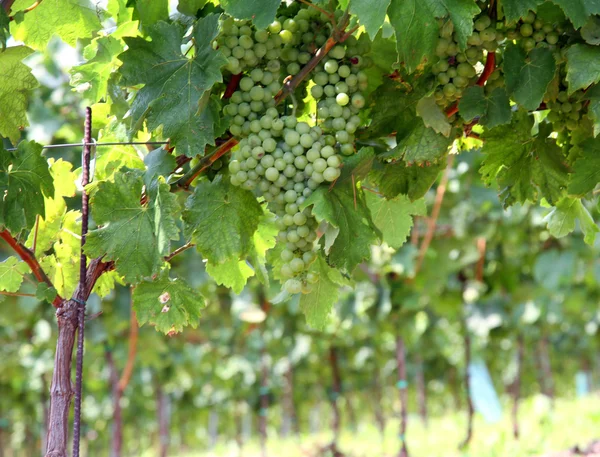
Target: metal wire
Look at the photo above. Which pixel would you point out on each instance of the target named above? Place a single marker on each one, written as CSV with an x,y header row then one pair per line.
x,y
93,143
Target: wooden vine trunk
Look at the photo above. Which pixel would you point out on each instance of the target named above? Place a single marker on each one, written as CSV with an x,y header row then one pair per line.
x,y
403,392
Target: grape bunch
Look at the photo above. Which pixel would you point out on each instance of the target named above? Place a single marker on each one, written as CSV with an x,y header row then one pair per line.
x,y
456,70
338,82
566,110
533,32
284,163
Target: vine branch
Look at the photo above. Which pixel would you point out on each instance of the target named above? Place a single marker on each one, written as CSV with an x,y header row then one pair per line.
x,y
435,212
26,10
133,337
29,258
178,251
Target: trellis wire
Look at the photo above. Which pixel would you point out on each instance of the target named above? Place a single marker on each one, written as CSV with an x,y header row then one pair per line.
x,y
93,143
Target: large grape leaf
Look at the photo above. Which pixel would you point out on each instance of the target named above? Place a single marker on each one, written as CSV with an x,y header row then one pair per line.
x,y
516,9
433,116
491,109
152,11
12,273
109,160
69,19
413,181
460,12
91,78
135,236
4,28
371,14
190,7
528,75
583,66
16,81
317,304
345,208
24,181
586,170
394,218
262,12
421,145
522,166
167,304
221,219
593,95
232,273
563,217
578,11
175,92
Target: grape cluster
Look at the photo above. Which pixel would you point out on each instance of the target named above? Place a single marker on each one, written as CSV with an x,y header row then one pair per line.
x,y
533,32
284,163
566,111
337,85
455,70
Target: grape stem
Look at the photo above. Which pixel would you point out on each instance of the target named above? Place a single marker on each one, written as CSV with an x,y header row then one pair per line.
x,y
26,10
29,258
185,181
232,86
330,16
490,66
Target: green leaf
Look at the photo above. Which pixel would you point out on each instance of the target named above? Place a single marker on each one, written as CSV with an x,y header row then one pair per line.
x,y
561,220
433,116
586,170
91,78
174,86
358,165
583,66
528,75
221,219
190,7
421,145
152,11
16,81
579,10
593,95
168,304
71,20
461,13
345,208
491,109
317,304
410,180
24,181
11,274
416,31
111,160
394,218
262,12
522,166
590,32
371,14
135,236
45,293
232,274
516,9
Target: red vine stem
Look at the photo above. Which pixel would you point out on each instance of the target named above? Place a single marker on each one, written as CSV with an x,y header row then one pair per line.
x,y
232,85
490,66
29,258
205,163
435,212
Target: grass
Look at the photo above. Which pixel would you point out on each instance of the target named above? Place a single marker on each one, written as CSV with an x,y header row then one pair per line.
x,y
572,422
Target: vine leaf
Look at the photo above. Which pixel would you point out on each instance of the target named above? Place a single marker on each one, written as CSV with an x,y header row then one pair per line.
x,y
586,170
190,7
491,109
528,75
399,178
262,12
24,181
370,13
135,236
522,165
563,217
232,273
394,218
593,95
516,9
421,144
433,116
345,208
578,11
583,66
11,274
417,30
4,28
174,86
16,81
317,304
151,11
167,304
71,20
222,219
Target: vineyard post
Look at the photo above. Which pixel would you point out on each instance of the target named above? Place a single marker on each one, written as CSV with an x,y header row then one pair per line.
x,y
264,399
517,385
163,412
378,407
402,386
421,389
335,395
467,380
